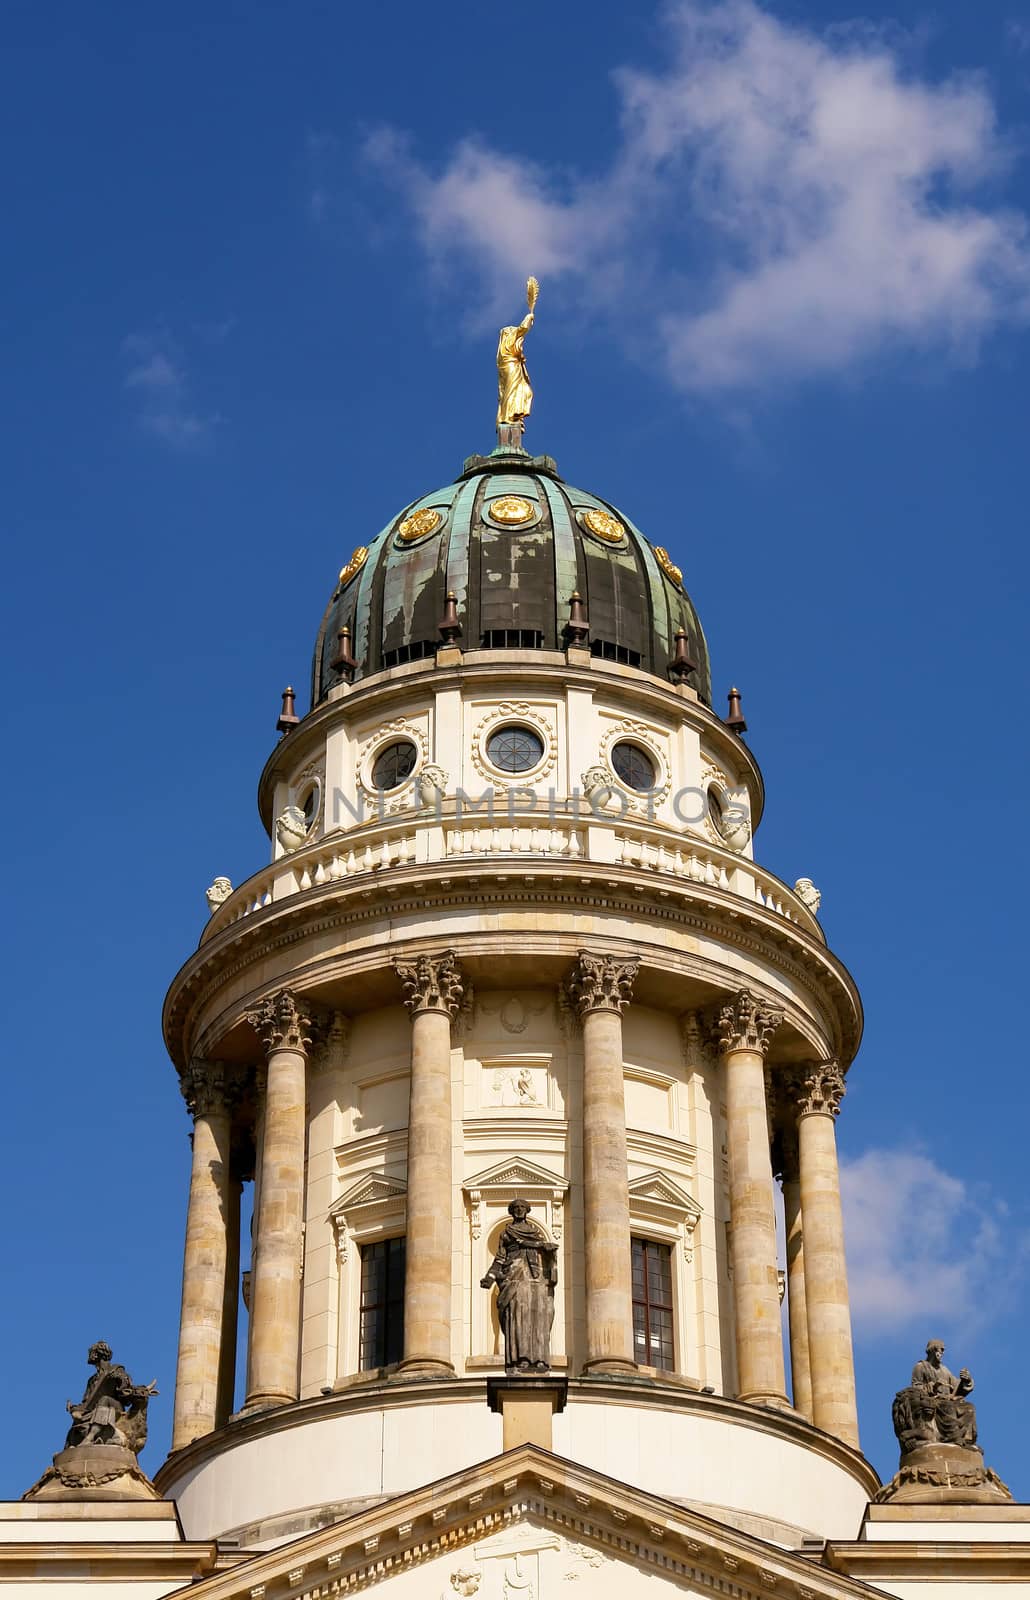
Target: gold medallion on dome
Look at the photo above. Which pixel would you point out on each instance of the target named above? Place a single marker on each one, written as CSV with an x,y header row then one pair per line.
x,y
603,526
668,566
419,524
511,510
354,565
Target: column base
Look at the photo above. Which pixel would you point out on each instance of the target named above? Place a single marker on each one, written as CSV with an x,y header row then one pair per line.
x,y
425,1367
777,1402
614,1366
263,1402
527,1406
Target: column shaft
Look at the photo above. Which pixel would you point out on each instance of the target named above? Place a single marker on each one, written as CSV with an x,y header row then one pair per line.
x,y
203,1278
608,1262
826,1285
432,987
427,1287
599,986
231,1307
275,1276
801,1377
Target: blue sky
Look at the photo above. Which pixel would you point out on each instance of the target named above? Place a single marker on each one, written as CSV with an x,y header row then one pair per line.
x,y
255,261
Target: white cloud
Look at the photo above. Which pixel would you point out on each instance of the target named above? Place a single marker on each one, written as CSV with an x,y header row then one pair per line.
x,y
795,203
926,1249
156,376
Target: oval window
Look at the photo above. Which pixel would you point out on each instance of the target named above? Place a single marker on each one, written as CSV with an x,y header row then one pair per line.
x,y
717,810
634,766
394,765
309,805
515,749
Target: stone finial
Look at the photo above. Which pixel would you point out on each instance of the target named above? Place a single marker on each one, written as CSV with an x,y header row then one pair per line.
x,y
601,982
577,629
288,717
285,1021
747,1023
735,717
935,1423
809,895
816,1088
449,626
682,663
217,893
291,828
344,661
431,983
209,1086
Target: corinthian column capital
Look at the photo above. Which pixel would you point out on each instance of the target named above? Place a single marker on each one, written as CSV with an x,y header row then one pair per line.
x,y
286,1021
209,1086
747,1023
815,1088
431,983
601,983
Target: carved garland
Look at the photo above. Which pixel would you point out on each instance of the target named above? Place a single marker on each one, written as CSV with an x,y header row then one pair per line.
x,y
405,796
649,738
514,711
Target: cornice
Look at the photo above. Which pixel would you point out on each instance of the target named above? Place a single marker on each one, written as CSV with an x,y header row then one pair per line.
x,y
398,892
637,689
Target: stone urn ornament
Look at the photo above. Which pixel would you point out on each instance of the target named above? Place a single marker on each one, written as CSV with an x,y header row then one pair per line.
x,y
291,828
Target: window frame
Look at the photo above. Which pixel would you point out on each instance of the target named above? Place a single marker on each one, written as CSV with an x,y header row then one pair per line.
x,y
650,1304
390,1338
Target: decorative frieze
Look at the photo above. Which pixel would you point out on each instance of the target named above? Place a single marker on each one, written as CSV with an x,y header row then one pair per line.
x,y
601,982
431,983
815,1089
286,1021
747,1023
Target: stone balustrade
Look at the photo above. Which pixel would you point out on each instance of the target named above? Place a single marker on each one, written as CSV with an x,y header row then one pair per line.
x,y
555,836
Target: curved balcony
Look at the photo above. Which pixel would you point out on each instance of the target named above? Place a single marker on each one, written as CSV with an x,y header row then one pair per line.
x,y
430,839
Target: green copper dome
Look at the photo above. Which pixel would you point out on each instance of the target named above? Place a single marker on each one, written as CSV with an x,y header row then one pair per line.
x,y
513,543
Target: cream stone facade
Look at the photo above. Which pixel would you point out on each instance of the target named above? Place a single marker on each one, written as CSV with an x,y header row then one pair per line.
x,y
512,944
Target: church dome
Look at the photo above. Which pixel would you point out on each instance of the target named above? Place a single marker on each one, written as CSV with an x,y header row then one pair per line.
x,y
512,542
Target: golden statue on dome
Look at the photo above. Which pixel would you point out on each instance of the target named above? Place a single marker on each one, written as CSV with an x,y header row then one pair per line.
x,y
514,391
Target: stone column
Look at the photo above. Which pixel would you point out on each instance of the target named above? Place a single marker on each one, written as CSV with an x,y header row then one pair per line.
x,y
202,1321
819,1089
745,1026
599,986
231,1306
432,993
284,1023
801,1377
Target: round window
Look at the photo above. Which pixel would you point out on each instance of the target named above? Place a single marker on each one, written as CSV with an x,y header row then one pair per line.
x,y
515,749
634,766
394,764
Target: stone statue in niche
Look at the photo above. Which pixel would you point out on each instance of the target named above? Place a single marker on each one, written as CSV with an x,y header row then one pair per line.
x,y
935,1422
525,1271
113,1409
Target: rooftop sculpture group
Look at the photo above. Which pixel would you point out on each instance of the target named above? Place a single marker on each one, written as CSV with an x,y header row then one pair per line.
x,y
108,1431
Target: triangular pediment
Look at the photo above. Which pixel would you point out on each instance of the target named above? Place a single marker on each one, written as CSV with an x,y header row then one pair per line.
x,y
515,1173
528,1522
657,1187
371,1190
